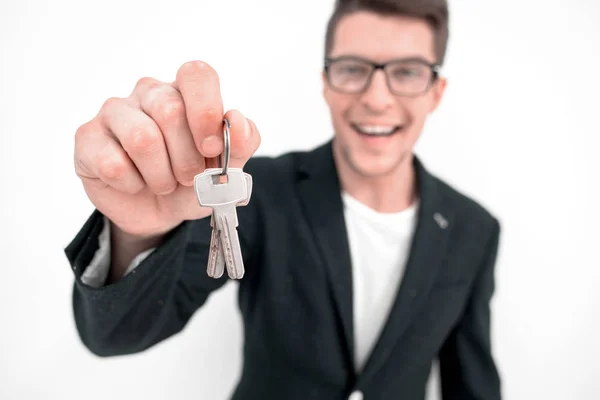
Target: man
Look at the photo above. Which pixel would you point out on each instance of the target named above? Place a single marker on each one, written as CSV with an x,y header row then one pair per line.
x,y
361,266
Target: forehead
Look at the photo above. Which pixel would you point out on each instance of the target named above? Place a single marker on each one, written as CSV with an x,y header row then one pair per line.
x,y
381,38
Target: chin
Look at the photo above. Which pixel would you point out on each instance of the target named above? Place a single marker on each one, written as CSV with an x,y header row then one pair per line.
x,y
371,165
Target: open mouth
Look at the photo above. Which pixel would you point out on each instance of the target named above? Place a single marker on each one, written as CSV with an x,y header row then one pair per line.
x,y
376,130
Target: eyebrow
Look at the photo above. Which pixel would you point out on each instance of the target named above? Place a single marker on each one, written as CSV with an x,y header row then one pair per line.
x,y
415,58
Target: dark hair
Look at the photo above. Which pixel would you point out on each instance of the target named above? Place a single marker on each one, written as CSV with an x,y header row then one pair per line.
x,y
435,12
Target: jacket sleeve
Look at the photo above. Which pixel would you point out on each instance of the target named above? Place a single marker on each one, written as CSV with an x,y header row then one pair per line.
x,y
155,300
96,272
467,367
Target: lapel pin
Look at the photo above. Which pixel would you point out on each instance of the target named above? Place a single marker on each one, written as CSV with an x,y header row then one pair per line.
x,y
441,221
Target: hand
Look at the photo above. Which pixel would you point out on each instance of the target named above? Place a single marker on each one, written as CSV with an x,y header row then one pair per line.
x,y
138,156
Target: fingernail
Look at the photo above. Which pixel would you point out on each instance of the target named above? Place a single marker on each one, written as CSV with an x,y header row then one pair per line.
x,y
211,146
208,139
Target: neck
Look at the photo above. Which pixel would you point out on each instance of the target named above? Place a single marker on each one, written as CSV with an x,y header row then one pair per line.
x,y
388,193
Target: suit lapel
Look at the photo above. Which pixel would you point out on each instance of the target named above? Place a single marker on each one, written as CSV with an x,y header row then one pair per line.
x,y
319,192
426,255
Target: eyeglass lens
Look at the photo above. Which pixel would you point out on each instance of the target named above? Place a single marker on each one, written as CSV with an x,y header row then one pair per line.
x,y
404,77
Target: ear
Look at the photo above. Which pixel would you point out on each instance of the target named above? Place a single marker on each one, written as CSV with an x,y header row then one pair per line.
x,y
437,92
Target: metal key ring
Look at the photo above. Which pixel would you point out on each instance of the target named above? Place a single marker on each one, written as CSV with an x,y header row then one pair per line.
x,y
227,148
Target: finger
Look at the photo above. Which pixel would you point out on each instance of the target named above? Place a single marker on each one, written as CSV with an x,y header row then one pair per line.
x,y
165,106
143,141
199,85
255,138
243,138
100,160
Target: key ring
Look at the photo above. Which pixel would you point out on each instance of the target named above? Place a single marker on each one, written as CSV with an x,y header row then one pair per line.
x,y
227,148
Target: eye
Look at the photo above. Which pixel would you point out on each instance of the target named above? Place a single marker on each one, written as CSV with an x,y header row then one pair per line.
x,y
352,69
407,72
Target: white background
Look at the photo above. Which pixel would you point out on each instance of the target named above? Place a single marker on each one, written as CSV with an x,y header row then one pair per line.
x,y
517,131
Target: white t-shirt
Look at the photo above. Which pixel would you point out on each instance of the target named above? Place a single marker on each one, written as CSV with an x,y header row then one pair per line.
x,y
379,248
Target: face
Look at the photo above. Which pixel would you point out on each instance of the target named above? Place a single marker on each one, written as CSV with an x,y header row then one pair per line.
x,y
377,110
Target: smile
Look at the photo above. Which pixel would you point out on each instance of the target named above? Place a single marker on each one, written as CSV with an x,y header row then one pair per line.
x,y
376,130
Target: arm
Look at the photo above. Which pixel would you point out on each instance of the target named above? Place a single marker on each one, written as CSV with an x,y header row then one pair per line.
x,y
98,272
157,298
126,250
467,366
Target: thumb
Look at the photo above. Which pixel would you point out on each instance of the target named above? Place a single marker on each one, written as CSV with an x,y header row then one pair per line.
x,y
244,138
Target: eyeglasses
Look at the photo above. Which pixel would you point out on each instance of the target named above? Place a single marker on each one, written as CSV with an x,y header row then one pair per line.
x,y
404,77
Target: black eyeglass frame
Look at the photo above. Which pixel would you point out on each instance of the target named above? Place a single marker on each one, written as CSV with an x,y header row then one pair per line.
x,y
435,72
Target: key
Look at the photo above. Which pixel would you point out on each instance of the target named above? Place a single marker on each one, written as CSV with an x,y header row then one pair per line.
x,y
248,190
210,192
216,261
234,270
223,199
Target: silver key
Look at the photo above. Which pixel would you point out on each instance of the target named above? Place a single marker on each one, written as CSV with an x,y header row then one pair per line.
x,y
216,260
223,199
235,268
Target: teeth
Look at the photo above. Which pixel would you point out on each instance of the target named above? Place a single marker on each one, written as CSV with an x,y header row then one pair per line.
x,y
376,129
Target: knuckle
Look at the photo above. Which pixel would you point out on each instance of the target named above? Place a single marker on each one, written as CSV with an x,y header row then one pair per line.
x,y
143,139
82,132
83,135
110,103
146,83
164,104
111,167
172,110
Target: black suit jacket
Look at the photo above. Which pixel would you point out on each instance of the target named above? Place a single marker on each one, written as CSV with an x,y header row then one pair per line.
x,y
296,296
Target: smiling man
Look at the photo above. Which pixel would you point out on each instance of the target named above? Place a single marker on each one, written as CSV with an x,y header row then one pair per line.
x,y
362,268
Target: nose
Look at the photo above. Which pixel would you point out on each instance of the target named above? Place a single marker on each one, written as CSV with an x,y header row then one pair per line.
x,y
377,97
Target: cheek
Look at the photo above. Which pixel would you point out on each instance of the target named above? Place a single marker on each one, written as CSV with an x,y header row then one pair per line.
x,y
339,108
418,109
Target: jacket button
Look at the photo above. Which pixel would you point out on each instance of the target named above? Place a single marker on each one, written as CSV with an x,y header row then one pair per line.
x,y
356,395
